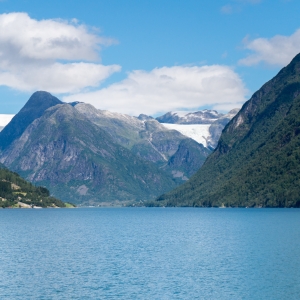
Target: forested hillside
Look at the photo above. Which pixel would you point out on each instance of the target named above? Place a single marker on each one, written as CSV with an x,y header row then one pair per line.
x,y
257,160
17,192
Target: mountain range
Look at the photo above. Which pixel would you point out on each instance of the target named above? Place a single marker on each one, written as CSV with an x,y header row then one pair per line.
x,y
87,156
205,116
257,160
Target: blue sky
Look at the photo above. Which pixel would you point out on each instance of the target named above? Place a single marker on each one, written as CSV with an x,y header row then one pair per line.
x,y
144,56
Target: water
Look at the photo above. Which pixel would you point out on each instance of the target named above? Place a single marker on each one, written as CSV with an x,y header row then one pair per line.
x,y
150,253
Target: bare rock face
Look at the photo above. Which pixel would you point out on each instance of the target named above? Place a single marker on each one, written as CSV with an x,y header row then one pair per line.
x,y
186,160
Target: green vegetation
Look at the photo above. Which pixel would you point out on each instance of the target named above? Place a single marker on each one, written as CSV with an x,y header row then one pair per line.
x,y
69,205
257,160
89,156
17,192
79,162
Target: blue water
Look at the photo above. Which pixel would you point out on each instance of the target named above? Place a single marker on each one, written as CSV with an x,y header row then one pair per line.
x,y
150,253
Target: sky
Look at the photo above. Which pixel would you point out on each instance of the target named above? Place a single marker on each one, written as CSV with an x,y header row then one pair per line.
x,y
144,56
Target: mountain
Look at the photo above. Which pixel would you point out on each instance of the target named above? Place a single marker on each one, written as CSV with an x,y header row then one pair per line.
x,y
34,108
17,192
205,116
197,132
5,119
257,159
204,126
216,128
187,160
66,152
149,140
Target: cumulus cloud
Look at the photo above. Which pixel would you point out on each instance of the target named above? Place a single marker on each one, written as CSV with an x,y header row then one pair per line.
x,y
44,54
57,77
278,50
169,88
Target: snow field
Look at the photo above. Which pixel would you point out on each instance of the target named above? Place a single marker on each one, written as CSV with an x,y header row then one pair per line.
x,y
197,132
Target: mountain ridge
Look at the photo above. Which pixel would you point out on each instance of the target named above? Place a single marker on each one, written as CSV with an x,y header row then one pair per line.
x,y
206,116
79,161
257,159
33,109
145,137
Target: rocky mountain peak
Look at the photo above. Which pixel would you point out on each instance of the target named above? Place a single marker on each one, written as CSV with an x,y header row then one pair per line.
x,y
233,111
41,98
205,116
33,109
144,117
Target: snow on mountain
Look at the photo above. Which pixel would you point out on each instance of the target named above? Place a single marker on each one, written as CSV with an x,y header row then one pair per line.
x,y
5,119
197,132
205,116
181,114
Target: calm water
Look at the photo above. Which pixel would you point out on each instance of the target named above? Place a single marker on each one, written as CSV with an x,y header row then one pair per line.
x,y
150,253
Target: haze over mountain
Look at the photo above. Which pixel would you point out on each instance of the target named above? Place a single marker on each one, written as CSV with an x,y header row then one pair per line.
x,y
257,160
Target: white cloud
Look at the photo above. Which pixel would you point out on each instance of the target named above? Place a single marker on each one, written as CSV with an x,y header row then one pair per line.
x,y
57,77
278,50
44,54
169,88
